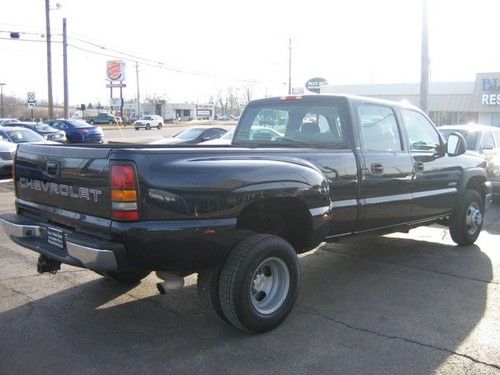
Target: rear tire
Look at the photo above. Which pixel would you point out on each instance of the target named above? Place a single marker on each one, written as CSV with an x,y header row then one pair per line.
x,y
126,277
136,128
159,126
466,220
91,122
259,283
110,122
208,290
148,127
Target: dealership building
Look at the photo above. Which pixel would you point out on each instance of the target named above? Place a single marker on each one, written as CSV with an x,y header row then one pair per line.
x,y
448,103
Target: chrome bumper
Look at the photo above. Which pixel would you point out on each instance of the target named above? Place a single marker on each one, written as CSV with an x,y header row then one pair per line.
x,y
89,257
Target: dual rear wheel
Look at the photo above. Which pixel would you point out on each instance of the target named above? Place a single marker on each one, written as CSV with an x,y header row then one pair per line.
x,y
257,287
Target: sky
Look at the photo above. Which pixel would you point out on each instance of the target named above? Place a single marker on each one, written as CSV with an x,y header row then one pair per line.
x,y
207,46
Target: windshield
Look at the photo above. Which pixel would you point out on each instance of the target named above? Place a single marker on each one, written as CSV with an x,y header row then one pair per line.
x,y
79,124
291,124
470,136
24,135
146,118
190,133
44,128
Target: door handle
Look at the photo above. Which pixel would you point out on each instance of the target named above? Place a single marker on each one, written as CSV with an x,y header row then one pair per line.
x,y
376,168
419,166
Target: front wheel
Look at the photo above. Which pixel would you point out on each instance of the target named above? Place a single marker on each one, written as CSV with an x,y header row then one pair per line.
x,y
148,127
91,122
159,126
466,220
110,122
259,283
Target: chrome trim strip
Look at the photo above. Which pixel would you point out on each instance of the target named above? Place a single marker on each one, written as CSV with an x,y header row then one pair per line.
x,y
92,258
431,193
319,210
18,230
345,203
389,198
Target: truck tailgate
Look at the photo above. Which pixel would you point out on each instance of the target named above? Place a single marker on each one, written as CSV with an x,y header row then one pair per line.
x,y
71,178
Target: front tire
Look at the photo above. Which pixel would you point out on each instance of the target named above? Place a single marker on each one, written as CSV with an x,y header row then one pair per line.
x,y
159,126
259,283
125,277
466,220
110,122
148,127
91,122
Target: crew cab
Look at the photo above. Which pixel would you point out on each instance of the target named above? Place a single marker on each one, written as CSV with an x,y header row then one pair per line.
x,y
335,167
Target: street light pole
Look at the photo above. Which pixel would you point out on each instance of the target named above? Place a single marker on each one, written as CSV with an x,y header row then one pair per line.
x,y
424,75
138,114
290,66
1,96
49,59
65,70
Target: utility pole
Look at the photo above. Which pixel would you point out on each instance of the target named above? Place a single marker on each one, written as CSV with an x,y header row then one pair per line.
x,y
65,70
49,59
424,76
1,97
138,114
289,66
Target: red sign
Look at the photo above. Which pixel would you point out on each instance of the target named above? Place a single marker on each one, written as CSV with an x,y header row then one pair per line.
x,y
115,70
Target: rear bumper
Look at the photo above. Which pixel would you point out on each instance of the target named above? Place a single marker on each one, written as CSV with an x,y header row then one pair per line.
x,y
81,251
182,245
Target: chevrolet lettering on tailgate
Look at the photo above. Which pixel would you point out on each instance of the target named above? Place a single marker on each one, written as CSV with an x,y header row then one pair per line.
x,y
60,189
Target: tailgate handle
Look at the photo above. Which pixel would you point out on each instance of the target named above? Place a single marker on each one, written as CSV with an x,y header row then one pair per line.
x,y
53,168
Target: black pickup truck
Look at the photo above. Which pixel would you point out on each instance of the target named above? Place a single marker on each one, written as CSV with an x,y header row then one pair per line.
x,y
332,167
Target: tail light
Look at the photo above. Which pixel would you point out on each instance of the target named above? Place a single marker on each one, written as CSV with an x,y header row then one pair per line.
x,y
124,206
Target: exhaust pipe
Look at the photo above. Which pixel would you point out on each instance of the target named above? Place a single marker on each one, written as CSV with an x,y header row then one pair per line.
x,y
172,281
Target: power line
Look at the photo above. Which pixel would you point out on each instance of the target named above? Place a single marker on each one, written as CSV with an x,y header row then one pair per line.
x,y
118,54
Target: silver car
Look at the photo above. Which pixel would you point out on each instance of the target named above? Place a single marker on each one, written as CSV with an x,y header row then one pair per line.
x,y
7,151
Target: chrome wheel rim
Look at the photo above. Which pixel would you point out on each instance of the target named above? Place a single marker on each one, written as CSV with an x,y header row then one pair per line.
x,y
269,286
473,218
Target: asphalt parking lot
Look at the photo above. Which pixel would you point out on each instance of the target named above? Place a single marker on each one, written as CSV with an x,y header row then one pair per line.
x,y
404,303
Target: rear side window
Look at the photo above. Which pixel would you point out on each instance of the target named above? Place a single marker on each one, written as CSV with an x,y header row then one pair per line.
x,y
379,129
422,135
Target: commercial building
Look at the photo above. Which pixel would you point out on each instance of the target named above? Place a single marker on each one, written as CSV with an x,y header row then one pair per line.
x,y
448,103
172,111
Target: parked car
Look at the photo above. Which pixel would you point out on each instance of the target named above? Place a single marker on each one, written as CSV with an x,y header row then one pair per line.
x,y
79,131
5,120
7,152
103,118
493,171
192,136
481,139
148,122
238,216
21,135
256,133
44,130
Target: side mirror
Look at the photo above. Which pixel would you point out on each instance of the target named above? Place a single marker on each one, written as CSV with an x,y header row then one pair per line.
x,y
456,144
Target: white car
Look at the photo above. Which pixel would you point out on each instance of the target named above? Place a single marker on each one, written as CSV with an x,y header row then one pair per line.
x,y
148,122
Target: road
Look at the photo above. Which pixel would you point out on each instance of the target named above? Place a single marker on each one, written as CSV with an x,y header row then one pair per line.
x,y
399,304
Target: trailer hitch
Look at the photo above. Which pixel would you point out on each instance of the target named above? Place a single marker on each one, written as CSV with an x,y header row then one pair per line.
x,y
46,264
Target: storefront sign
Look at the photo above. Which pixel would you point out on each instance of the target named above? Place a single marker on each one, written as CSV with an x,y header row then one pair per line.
x,y
115,70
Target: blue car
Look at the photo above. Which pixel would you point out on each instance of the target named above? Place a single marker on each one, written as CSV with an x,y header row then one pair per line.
x,y
78,131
